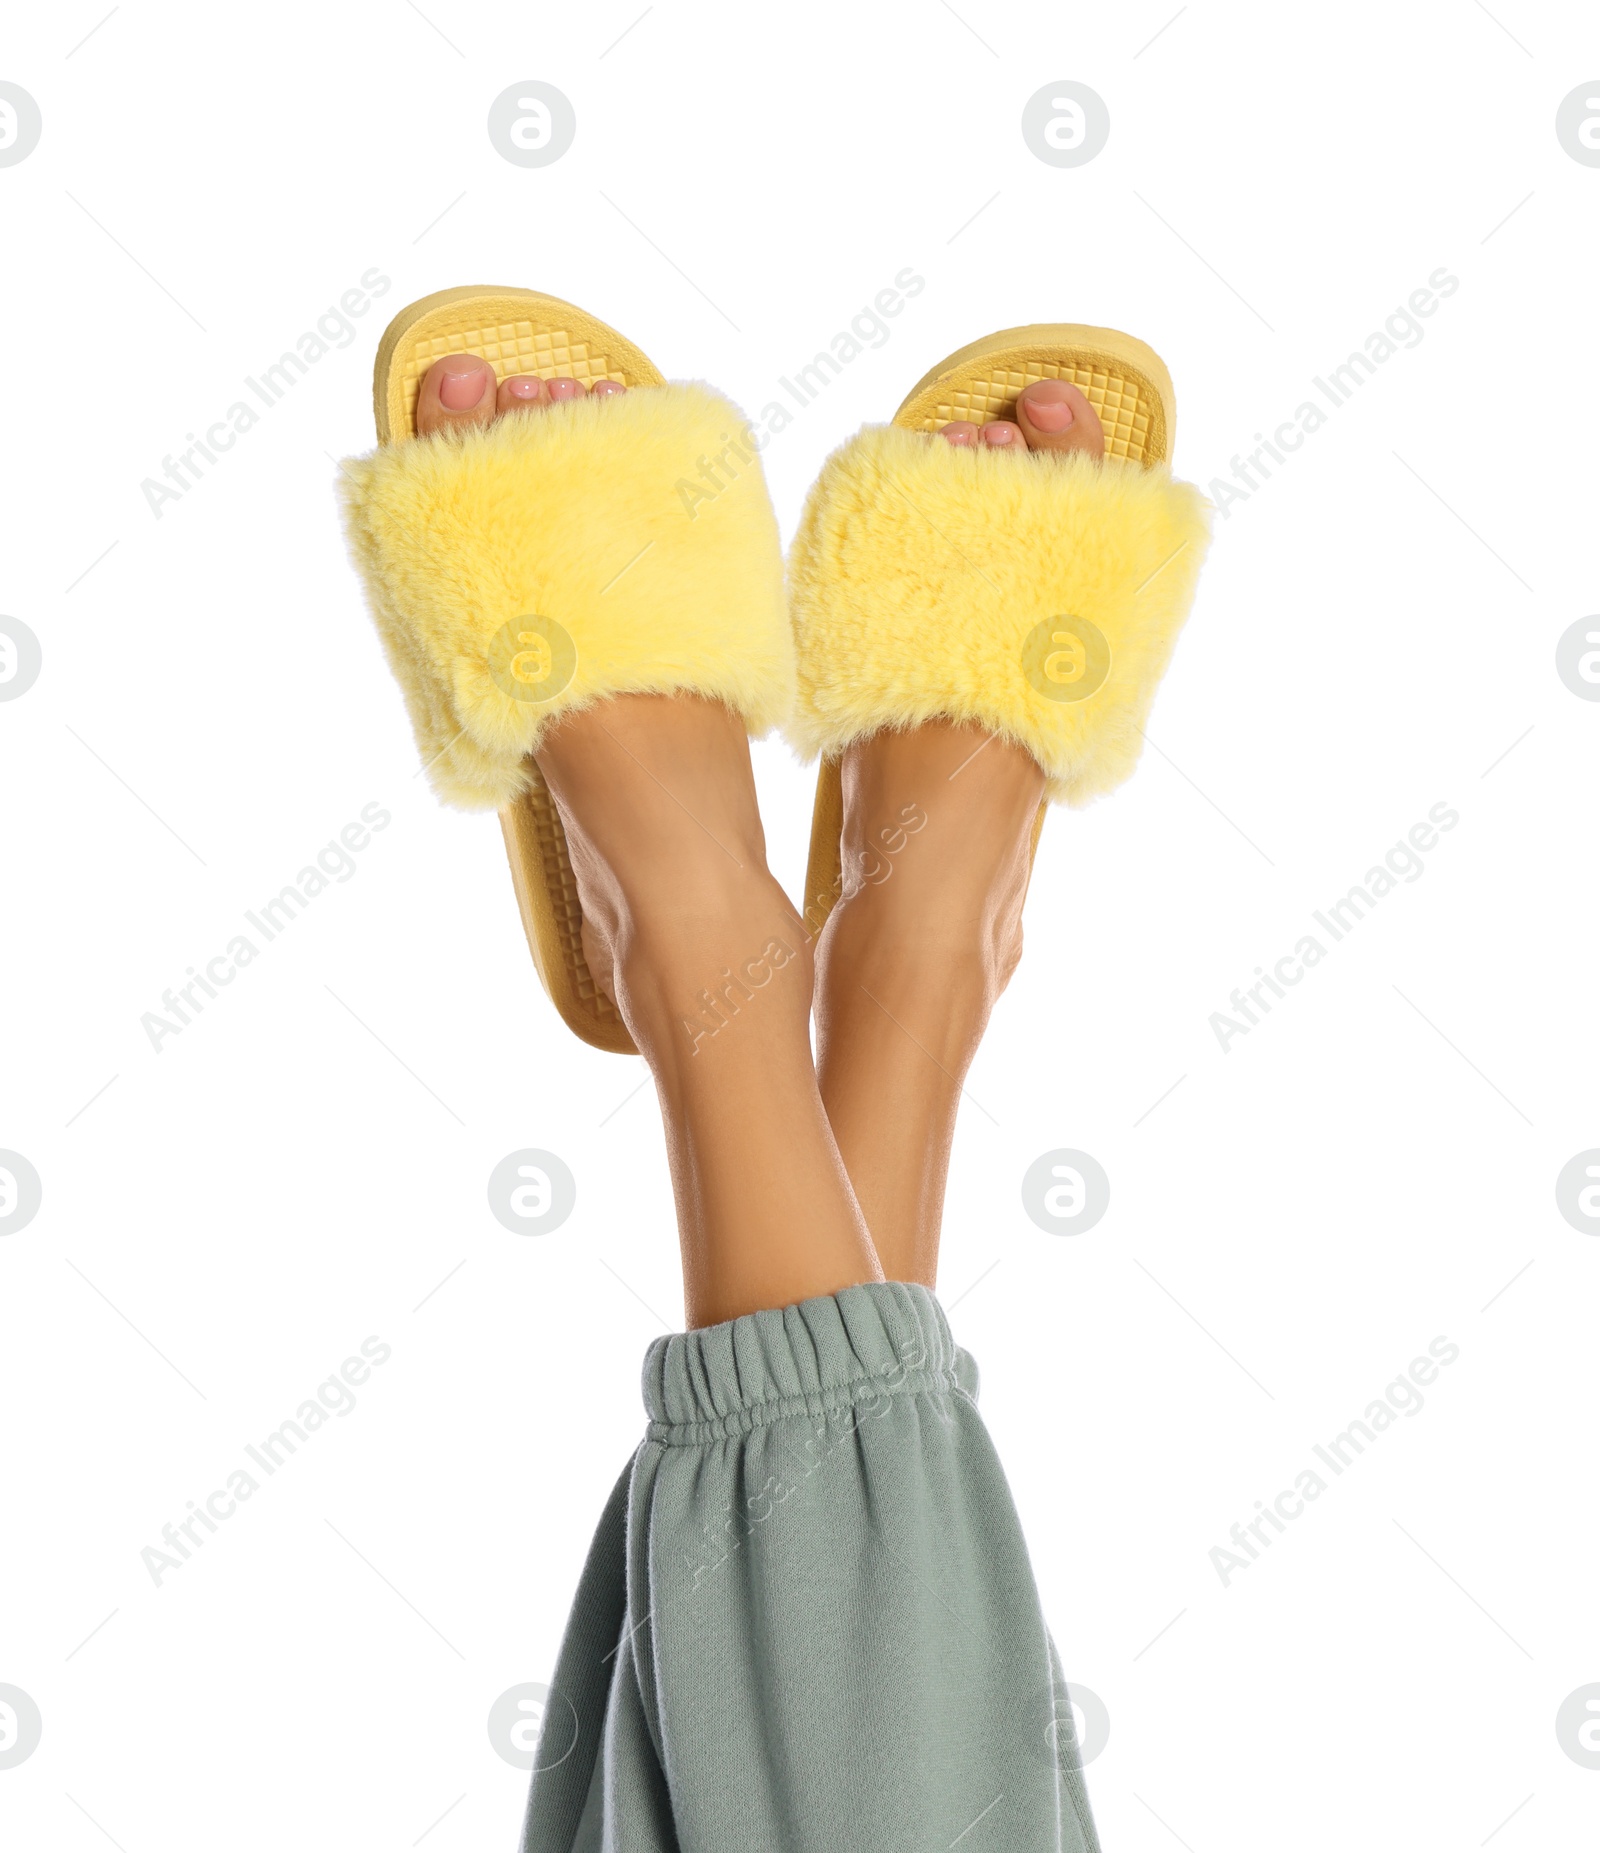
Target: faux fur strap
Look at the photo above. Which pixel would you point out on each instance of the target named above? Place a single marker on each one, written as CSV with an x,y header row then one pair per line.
x,y
1038,596
596,547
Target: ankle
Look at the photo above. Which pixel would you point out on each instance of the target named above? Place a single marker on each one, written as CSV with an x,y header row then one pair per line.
x,y
961,948
690,963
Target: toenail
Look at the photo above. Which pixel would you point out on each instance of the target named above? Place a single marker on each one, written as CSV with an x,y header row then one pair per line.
x,y
1049,414
564,389
524,386
461,383
603,389
1000,434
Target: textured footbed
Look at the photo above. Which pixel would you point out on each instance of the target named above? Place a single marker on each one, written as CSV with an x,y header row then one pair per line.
x,y
1127,384
521,331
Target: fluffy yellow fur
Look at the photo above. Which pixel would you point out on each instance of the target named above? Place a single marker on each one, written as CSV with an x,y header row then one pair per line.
x,y
596,514
924,576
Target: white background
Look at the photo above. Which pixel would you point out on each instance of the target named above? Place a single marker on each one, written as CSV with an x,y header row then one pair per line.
x,y
305,1164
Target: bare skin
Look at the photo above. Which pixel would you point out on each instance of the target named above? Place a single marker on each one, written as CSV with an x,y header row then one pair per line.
x,y
710,968
912,962
780,1168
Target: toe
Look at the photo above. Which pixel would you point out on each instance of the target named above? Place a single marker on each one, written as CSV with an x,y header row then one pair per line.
x,y
1054,415
457,391
962,431
564,389
606,389
522,392
999,433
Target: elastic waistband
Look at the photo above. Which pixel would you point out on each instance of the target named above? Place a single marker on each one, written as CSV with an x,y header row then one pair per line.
x,y
879,1339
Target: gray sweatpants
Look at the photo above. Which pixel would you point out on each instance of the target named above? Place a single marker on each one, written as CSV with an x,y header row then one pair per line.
x,y
808,1623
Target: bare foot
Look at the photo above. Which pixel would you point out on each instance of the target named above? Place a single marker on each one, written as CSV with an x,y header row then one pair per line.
x,y
658,799
461,391
711,969
1051,415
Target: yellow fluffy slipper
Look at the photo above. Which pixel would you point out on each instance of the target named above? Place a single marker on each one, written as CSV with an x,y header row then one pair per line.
x,y
1036,595
518,571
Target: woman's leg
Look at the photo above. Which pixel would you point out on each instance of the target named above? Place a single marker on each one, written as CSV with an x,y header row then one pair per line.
x,y
712,971
926,935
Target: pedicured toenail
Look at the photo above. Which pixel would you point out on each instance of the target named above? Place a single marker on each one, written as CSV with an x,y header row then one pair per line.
x,y
461,383
1000,434
524,386
603,389
565,389
1049,414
